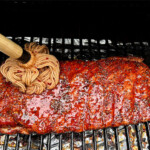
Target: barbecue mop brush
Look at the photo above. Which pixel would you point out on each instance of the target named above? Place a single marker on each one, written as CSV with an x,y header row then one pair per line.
x,y
32,69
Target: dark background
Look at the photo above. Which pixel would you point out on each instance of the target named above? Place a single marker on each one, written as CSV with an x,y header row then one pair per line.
x,y
118,20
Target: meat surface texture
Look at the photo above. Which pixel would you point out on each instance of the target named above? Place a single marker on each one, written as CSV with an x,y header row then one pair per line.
x,y
90,95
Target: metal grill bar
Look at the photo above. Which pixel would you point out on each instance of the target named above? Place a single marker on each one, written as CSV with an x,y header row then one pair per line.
x,y
6,142
49,142
138,137
148,132
72,143
80,45
107,44
63,47
17,142
60,142
94,140
89,47
98,48
127,137
72,50
41,142
83,140
125,49
29,142
31,38
40,42
105,139
116,138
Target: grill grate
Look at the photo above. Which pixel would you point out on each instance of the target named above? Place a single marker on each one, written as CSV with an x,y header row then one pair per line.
x,y
110,138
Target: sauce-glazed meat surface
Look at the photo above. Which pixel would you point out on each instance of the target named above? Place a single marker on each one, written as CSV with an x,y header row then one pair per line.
x,y
90,95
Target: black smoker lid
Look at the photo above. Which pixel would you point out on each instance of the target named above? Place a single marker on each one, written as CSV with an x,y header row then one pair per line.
x,y
111,19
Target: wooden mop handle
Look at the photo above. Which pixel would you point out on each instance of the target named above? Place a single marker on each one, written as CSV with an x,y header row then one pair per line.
x,y
10,48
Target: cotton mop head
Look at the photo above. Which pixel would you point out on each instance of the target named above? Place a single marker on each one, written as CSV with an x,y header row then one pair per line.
x,y
39,74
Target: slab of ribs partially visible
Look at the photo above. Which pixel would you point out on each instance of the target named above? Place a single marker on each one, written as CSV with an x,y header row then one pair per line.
x,y
90,95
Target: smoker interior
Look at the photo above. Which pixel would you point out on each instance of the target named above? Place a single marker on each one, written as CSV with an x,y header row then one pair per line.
x,y
127,137
94,30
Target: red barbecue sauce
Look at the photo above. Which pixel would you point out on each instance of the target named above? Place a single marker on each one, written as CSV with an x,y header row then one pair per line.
x,y
89,95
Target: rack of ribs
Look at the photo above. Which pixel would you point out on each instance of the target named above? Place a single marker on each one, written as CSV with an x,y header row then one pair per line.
x,y
90,95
